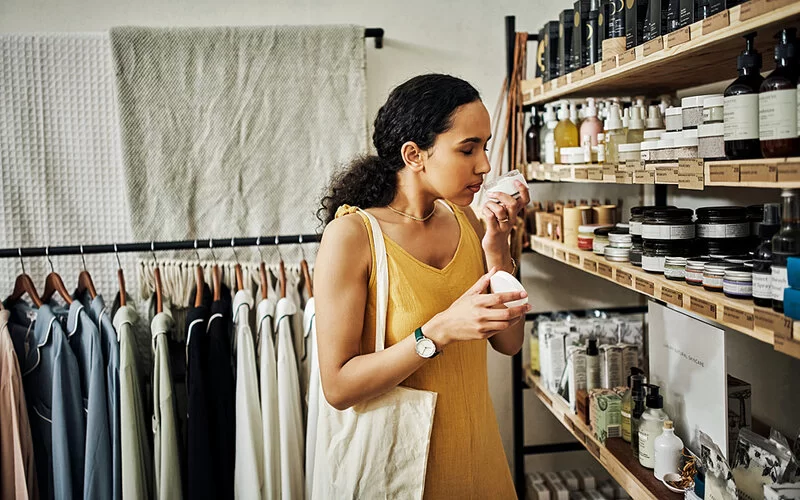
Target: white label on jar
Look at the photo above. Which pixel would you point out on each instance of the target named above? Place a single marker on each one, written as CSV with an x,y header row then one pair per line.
x,y
777,114
780,282
741,117
654,232
694,276
712,281
635,228
734,288
653,264
645,155
674,272
762,285
738,230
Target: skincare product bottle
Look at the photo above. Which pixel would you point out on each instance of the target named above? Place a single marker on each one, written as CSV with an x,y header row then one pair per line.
x,y
532,139
762,258
654,120
595,36
550,122
741,105
637,410
627,402
566,133
651,426
592,365
573,114
635,126
668,450
615,134
785,244
777,101
591,126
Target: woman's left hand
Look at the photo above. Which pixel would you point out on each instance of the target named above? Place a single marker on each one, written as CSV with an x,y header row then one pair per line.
x,y
500,213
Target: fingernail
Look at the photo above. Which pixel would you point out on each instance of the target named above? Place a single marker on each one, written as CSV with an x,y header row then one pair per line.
x,y
522,295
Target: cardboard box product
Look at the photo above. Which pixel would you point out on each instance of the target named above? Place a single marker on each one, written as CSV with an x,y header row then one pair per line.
x,y
577,374
656,20
630,359
635,17
739,416
538,491
605,411
582,406
611,366
577,495
553,354
580,38
616,19
558,491
570,480
552,63
680,13
566,26
587,479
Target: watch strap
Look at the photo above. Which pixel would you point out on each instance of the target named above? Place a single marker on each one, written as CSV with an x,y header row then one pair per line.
x,y
418,335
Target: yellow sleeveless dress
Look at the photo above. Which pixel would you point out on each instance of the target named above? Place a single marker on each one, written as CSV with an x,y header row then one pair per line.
x,y
466,458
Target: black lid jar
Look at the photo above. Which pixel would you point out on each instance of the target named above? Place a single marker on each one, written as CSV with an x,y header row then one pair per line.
x,y
637,217
666,223
722,222
656,252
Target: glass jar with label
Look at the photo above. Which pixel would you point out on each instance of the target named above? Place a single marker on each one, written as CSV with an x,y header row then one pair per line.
x,y
777,101
738,283
656,252
722,222
668,224
675,268
713,110
714,275
694,270
741,106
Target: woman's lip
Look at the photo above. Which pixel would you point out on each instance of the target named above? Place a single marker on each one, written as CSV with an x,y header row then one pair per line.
x,y
474,188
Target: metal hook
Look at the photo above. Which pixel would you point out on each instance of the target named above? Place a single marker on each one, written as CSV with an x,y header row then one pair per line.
x,y
258,247
300,242
47,254
82,258
233,248
196,253
211,248
116,254
153,251
21,262
278,247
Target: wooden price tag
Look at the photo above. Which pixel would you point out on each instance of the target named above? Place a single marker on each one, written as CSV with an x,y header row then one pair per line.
x,y
627,57
716,22
544,397
667,175
624,278
691,180
758,173
703,307
561,255
595,174
789,172
674,297
624,177
537,91
645,286
582,173
574,259
609,169
608,64
676,38
694,165
787,346
593,448
589,265
752,9
723,173
653,46
605,270
737,317
777,4
644,177
634,165
775,322
576,76
562,81
588,71
548,86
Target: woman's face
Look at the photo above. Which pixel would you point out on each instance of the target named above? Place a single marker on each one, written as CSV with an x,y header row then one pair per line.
x,y
455,165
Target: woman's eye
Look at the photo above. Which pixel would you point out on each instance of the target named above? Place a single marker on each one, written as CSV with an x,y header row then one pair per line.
x,y
467,152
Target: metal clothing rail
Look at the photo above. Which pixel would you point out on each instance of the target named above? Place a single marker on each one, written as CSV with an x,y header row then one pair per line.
x,y
158,246
377,34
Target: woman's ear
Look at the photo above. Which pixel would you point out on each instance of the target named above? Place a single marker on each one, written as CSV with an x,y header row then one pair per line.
x,y
412,156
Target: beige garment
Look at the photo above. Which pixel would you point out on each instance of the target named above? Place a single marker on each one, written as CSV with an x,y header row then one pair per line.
x,y
17,468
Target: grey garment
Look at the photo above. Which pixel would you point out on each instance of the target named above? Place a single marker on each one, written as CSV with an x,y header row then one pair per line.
x,y
53,392
96,308
84,338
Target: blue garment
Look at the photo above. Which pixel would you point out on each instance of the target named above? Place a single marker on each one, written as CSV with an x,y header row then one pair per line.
x,y
97,311
53,392
84,338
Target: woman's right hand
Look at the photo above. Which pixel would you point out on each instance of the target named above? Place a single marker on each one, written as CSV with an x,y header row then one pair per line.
x,y
475,315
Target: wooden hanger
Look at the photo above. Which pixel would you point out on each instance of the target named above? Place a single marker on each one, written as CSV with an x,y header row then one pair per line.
x,y
199,279
215,273
157,276
281,268
24,285
53,283
85,279
120,278
305,271
262,271
237,269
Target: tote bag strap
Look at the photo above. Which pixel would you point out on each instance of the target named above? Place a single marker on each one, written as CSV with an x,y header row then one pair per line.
x,y
382,279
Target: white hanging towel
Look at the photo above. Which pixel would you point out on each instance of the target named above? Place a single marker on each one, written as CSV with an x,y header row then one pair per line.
x,y
165,428
249,465
270,421
290,411
310,329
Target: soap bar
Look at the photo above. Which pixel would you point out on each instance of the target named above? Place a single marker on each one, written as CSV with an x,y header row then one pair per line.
x,y
793,268
502,282
505,184
791,303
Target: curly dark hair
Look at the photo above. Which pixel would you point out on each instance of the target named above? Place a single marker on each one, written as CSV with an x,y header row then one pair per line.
x,y
417,110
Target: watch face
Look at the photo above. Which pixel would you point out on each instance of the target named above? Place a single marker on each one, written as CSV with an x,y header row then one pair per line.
x,y
425,348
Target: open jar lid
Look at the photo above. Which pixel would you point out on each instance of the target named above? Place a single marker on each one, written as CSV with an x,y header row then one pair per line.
x,y
713,101
688,139
665,144
722,214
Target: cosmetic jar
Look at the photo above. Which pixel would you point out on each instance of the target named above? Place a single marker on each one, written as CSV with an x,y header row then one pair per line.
x,y
655,253
738,283
637,217
637,249
664,151
739,260
692,110
572,156
724,247
600,241
675,268
646,149
713,109
629,152
686,146
620,239
714,274
722,222
586,237
653,135
673,118
617,254
668,224
694,270
711,141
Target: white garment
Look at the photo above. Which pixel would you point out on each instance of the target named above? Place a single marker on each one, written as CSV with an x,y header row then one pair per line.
x,y
165,429
247,480
270,421
289,406
310,329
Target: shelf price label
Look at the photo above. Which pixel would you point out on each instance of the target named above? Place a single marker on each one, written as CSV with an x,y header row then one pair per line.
x,y
645,286
703,307
590,265
605,270
574,259
789,172
758,173
593,448
624,177
626,57
672,296
724,173
716,22
595,174
653,46
774,322
608,64
561,81
582,173
561,255
752,9
667,175
644,177
624,278
679,37
737,317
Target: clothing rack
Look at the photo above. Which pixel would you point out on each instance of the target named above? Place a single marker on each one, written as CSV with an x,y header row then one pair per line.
x,y
160,246
377,34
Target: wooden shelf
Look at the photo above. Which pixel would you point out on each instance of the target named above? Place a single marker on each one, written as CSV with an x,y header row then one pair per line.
x,y
781,173
616,455
702,53
737,314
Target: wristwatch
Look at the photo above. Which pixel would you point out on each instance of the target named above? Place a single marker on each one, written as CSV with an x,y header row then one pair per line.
x,y
425,346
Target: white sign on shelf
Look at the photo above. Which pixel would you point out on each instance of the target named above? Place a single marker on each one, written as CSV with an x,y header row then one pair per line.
x,y
687,361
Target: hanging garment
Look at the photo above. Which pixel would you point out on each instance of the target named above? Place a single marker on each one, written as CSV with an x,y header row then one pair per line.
x,y
52,383
310,329
221,396
17,465
465,425
165,423
270,422
135,434
84,338
290,411
249,469
96,308
201,473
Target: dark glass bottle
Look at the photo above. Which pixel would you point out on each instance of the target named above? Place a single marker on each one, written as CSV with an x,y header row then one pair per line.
x,y
785,244
638,396
762,258
741,106
777,101
532,139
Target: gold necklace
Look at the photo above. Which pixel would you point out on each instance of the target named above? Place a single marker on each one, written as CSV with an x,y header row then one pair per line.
x,y
418,219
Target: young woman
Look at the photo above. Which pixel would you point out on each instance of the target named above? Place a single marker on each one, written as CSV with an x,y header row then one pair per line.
x,y
431,138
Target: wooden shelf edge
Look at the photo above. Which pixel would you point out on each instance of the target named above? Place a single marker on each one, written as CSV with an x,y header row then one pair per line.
x,y
624,476
737,314
697,43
